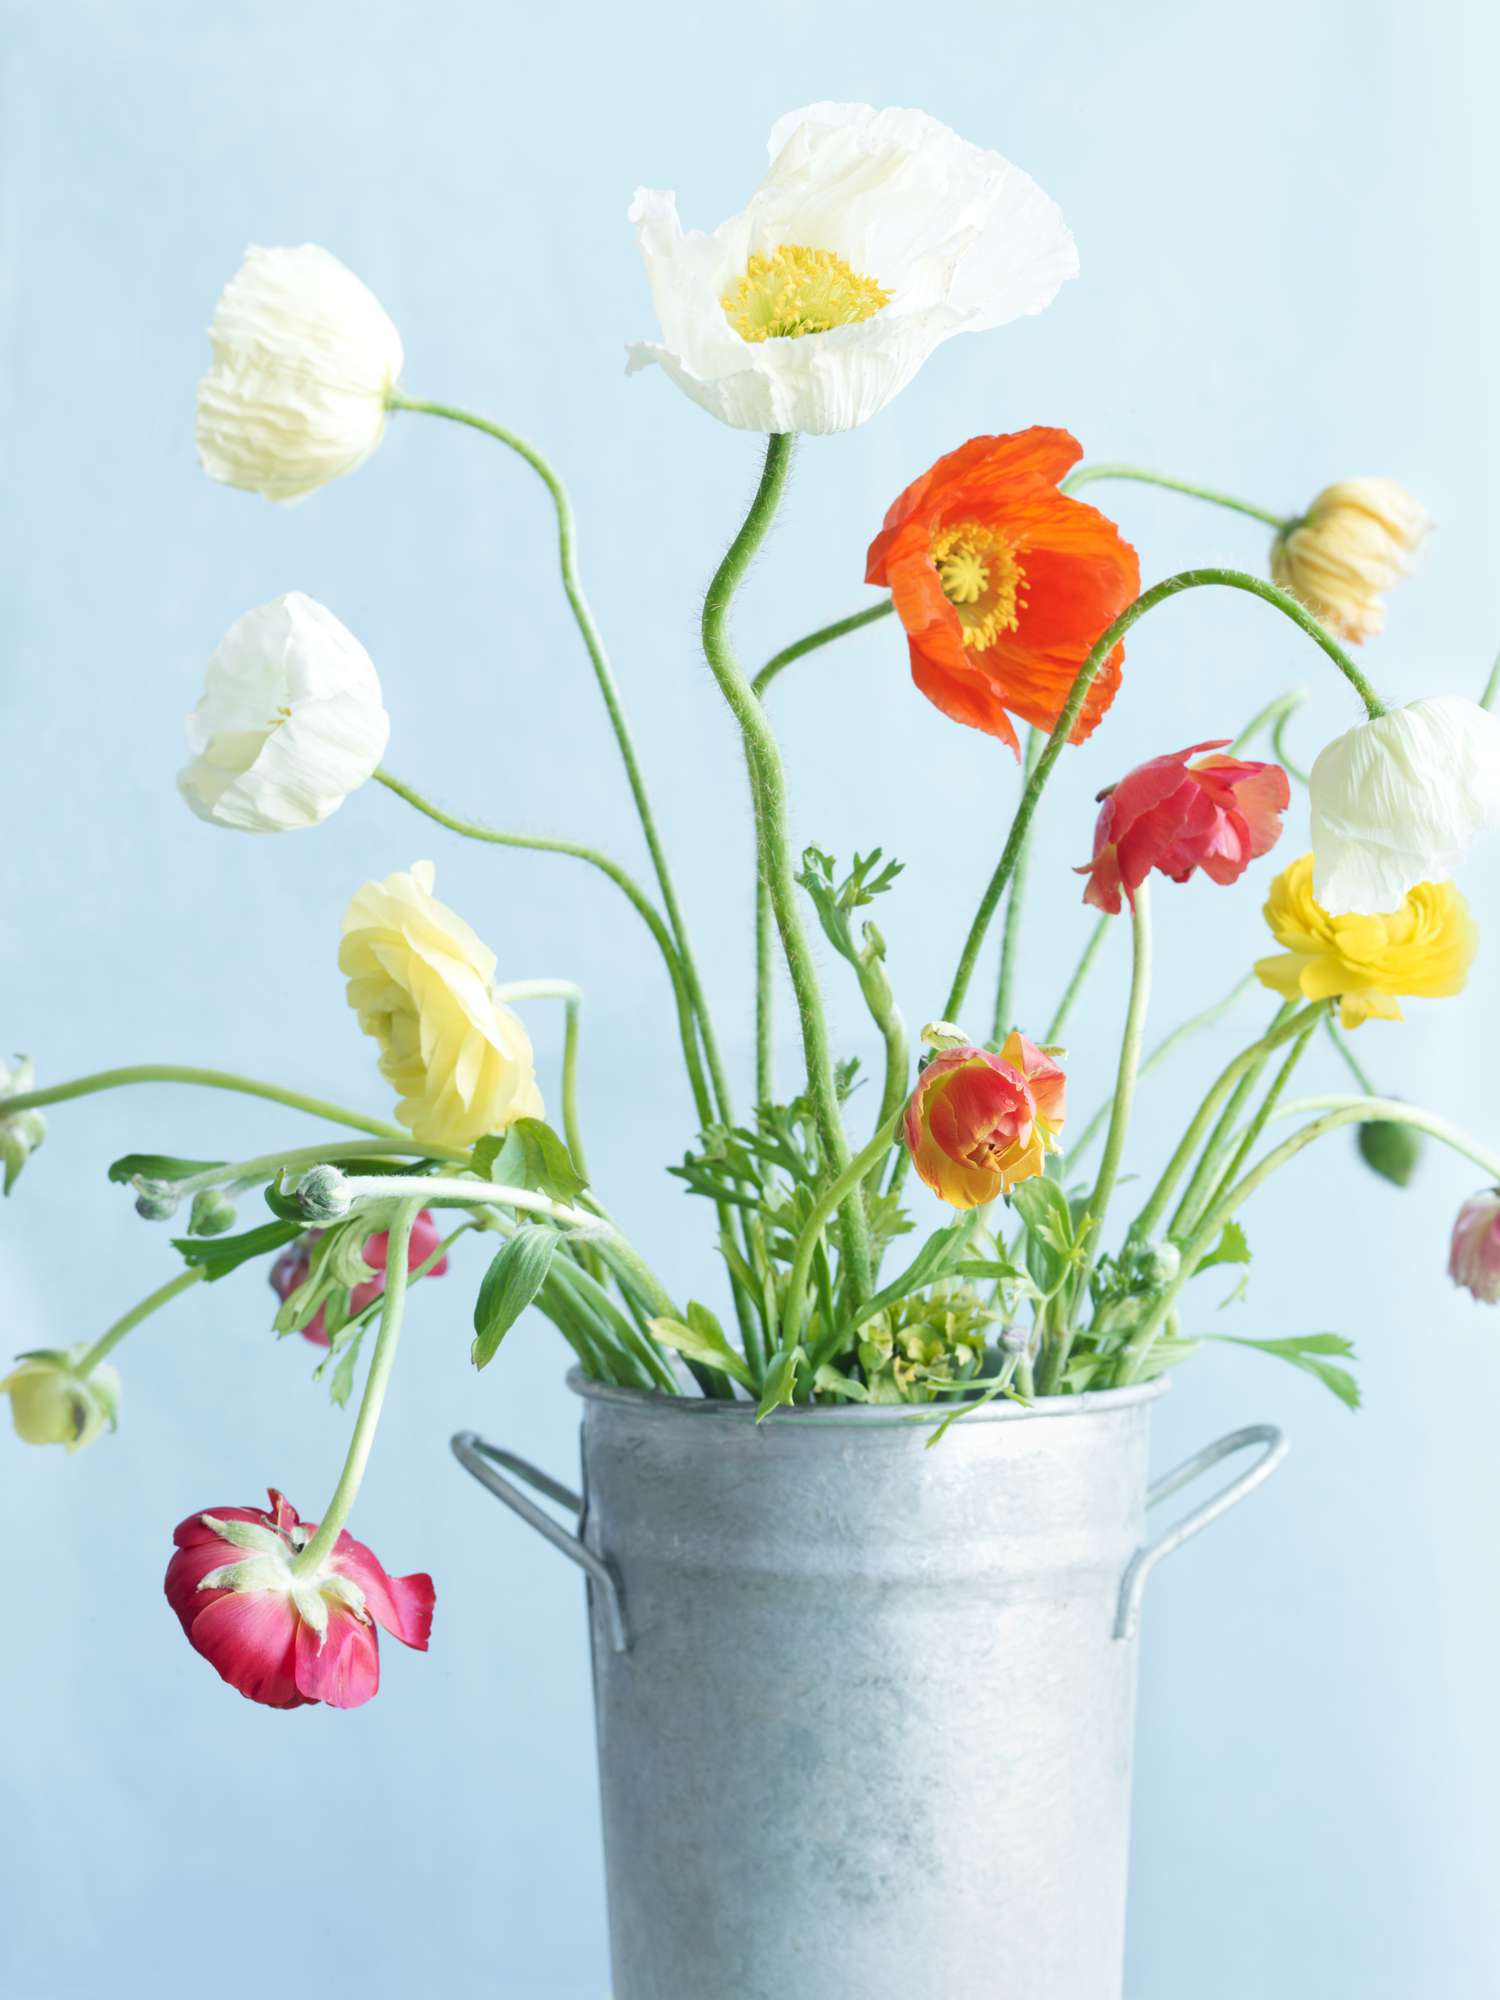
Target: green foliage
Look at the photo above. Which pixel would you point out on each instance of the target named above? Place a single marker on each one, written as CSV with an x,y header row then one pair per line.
x,y
1051,1242
781,1382
530,1155
1309,1352
702,1339
1231,1248
157,1167
516,1274
926,1347
217,1256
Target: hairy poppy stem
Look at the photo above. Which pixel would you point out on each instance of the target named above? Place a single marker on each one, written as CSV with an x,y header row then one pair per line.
x,y
208,1079
1087,474
1104,645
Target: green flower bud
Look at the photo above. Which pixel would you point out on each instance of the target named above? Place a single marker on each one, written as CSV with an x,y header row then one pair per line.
x,y
323,1195
155,1201
51,1403
1390,1149
22,1131
212,1213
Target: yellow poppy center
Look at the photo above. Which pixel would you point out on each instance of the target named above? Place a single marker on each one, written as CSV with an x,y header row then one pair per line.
x,y
981,579
795,291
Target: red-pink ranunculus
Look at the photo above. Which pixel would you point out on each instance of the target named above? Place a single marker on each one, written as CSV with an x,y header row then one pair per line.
x,y
291,1267
1474,1258
282,1640
1218,814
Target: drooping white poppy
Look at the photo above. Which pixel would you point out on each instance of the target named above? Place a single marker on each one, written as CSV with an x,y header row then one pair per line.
x,y
874,236
289,723
1397,800
304,359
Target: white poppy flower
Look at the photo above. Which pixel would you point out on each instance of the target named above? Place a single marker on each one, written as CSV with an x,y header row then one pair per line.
x,y
1397,800
304,361
290,721
874,236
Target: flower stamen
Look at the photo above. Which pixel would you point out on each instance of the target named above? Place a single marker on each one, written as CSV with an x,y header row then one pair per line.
x,y
981,578
795,291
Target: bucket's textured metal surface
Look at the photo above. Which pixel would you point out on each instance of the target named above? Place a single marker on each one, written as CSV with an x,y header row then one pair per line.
x,y
865,1709
871,1739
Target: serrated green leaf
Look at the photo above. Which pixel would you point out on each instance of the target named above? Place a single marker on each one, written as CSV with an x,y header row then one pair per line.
x,y
1308,1351
934,1260
530,1155
517,1273
217,1256
832,1383
157,1167
702,1340
341,1386
1231,1248
781,1382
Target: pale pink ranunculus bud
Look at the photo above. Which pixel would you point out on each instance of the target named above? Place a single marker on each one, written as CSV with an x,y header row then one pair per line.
x,y
1474,1257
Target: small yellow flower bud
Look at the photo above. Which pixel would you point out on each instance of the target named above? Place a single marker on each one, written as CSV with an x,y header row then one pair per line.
x,y
51,1403
1355,540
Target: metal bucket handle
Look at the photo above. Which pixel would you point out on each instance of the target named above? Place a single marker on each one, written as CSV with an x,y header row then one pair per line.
x,y
482,1459
1141,1564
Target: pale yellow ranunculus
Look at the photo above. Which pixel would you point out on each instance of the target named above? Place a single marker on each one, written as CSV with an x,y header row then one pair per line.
x,y
1425,948
420,982
1355,540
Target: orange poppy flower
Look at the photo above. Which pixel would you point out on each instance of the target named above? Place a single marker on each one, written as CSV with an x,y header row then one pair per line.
x,y
1003,583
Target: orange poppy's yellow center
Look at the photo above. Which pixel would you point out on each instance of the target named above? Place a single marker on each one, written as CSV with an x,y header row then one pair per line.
x,y
796,291
981,578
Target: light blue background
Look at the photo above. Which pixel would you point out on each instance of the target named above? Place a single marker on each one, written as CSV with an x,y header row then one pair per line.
x,y
1285,221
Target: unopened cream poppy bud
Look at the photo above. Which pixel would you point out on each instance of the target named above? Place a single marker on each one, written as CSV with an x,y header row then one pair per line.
x,y
1355,540
304,363
51,1403
21,1132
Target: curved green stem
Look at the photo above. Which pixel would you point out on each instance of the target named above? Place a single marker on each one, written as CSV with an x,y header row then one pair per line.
x,y
572,999
1352,1062
1206,1172
609,688
1080,973
1181,1033
1257,1124
1491,686
840,628
1010,936
1104,645
1274,716
768,791
1087,474
265,1166
837,1190
629,887
371,1403
765,993
173,1288
207,1079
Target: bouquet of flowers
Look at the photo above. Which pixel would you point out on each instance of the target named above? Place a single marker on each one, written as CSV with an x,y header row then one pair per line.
x,y
959,1238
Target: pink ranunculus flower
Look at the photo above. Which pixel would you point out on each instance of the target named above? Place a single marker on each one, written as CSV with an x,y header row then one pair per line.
x,y
291,1268
282,1640
1218,814
1474,1258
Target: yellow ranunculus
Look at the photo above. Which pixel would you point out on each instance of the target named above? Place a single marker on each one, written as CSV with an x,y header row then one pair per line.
x,y
1424,948
419,980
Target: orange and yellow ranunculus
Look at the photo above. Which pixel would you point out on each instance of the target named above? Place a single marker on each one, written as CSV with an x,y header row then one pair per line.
x,y
977,1124
1425,948
1003,583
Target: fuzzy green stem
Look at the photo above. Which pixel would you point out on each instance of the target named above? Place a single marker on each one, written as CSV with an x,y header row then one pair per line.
x,y
1080,973
609,688
266,1166
1099,652
837,1190
768,792
1205,1174
822,637
1010,936
373,1400
765,993
1491,686
629,887
1274,716
572,999
207,1079
1257,1124
173,1288
1352,1062
1181,1033
1087,474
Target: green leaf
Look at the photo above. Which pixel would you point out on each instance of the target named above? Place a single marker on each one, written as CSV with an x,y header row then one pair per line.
x,y
781,1382
1048,1221
1309,1352
157,1167
342,1385
1231,1248
516,1275
832,1383
934,1260
702,1340
217,1256
530,1155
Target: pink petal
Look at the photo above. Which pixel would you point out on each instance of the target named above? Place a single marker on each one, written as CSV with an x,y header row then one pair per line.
x,y
250,1637
402,1604
343,1668
185,1573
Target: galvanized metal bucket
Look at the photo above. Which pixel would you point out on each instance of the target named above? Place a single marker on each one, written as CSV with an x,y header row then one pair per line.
x,y
865,1709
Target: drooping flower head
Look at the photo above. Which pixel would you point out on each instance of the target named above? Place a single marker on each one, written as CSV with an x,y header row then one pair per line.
x,y
21,1132
874,236
1003,583
285,1640
1425,948
52,1403
292,1268
1355,540
419,980
304,361
977,1124
1474,1256
1218,814
1397,800
290,721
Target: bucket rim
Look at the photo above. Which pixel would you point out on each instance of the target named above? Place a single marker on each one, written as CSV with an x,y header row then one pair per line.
x,y
864,1416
